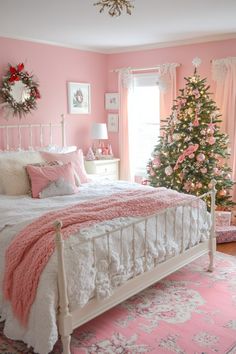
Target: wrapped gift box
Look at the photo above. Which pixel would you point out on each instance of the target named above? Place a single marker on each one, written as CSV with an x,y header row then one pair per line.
x,y
225,234
223,218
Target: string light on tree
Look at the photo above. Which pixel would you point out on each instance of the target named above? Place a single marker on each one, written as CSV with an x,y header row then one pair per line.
x,y
192,151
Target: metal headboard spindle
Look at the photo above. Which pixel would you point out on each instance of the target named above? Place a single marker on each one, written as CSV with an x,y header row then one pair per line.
x,y
30,127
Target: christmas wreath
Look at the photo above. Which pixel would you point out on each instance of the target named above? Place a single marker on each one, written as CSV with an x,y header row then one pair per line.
x,y
19,91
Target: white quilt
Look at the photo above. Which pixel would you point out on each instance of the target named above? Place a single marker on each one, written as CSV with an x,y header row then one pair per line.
x,y
85,279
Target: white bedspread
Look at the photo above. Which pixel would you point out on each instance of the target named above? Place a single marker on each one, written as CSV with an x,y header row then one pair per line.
x,y
85,280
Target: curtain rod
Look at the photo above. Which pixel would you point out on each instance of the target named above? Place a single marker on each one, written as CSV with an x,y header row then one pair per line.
x,y
140,69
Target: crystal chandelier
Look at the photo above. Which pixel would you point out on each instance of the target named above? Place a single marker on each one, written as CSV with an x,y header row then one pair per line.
x,y
115,7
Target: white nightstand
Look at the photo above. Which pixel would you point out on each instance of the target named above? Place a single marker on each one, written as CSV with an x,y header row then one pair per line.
x,y
107,168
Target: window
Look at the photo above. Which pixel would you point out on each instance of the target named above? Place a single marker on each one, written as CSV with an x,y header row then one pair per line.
x,y
144,120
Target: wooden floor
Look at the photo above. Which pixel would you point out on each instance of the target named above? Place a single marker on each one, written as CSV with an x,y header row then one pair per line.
x,y
229,248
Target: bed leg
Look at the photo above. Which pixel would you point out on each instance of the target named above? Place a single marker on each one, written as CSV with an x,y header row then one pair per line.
x,y
66,344
211,263
64,316
212,240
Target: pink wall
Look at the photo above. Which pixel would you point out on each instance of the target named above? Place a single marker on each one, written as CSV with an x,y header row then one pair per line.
x,y
179,54
54,66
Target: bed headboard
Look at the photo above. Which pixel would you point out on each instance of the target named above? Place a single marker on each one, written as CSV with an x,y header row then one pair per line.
x,y
37,135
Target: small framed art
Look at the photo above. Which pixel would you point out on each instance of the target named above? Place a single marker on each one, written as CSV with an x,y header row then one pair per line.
x,y
79,100
111,100
113,123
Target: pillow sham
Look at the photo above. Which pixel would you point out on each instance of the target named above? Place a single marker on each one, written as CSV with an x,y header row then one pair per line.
x,y
41,164
77,160
13,176
58,149
41,178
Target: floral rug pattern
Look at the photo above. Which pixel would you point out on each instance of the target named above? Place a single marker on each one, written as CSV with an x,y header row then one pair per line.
x,y
189,312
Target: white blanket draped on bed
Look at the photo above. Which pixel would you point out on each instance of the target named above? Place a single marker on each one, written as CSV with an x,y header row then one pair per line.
x,y
85,280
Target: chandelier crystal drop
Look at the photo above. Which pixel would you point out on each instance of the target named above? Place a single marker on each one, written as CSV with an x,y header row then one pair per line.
x,y
115,7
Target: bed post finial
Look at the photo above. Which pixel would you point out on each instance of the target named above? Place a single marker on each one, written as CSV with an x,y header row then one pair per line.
x,y
212,240
63,127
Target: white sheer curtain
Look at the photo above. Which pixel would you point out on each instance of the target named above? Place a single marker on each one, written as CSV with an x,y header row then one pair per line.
x,y
224,73
168,89
167,84
124,84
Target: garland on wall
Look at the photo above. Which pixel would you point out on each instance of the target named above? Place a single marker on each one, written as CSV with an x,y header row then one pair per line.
x,y
19,91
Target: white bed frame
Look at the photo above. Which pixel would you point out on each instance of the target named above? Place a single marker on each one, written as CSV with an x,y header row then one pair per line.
x,y
69,320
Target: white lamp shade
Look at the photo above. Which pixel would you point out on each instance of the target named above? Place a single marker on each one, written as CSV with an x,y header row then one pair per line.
x,y
99,131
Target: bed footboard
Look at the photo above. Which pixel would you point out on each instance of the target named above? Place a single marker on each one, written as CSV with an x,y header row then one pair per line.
x,y
69,320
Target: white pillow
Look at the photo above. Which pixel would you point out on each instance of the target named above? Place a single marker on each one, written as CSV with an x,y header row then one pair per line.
x,y
58,149
13,176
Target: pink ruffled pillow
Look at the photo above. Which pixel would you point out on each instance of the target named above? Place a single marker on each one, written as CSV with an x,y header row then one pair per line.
x,y
43,176
77,160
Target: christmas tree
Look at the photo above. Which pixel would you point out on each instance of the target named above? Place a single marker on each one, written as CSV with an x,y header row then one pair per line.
x,y
192,151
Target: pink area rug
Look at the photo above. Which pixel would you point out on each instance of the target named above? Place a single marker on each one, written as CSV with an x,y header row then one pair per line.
x,y
189,312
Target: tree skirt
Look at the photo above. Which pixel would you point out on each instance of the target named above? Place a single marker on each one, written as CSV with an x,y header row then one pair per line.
x,y
190,311
225,233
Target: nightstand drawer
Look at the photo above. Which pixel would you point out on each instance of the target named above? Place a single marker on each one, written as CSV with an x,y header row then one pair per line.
x,y
107,168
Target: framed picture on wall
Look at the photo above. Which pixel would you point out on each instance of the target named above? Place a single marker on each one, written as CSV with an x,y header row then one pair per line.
x,y
79,100
113,123
111,101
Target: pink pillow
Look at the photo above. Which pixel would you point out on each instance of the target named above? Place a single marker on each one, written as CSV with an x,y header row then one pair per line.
x,y
75,157
42,176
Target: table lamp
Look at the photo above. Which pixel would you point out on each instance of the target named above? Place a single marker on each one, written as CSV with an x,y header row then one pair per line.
x,y
99,132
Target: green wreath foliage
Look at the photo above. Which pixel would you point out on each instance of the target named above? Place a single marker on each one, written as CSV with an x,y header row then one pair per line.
x,y
13,75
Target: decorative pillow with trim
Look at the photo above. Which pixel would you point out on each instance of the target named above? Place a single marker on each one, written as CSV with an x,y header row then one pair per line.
x,y
42,177
41,164
77,160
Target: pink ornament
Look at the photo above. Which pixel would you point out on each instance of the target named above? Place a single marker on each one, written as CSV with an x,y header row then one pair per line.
x,y
211,140
203,170
168,170
187,186
191,156
199,185
152,173
222,192
211,128
196,122
156,162
201,157
196,93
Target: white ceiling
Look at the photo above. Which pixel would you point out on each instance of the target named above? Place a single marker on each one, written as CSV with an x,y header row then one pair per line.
x,y
153,23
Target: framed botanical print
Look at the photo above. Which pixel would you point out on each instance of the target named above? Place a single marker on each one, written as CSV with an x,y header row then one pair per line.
x,y
113,122
112,101
79,100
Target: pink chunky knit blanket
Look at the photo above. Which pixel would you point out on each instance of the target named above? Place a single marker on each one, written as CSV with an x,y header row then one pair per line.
x,y
29,252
